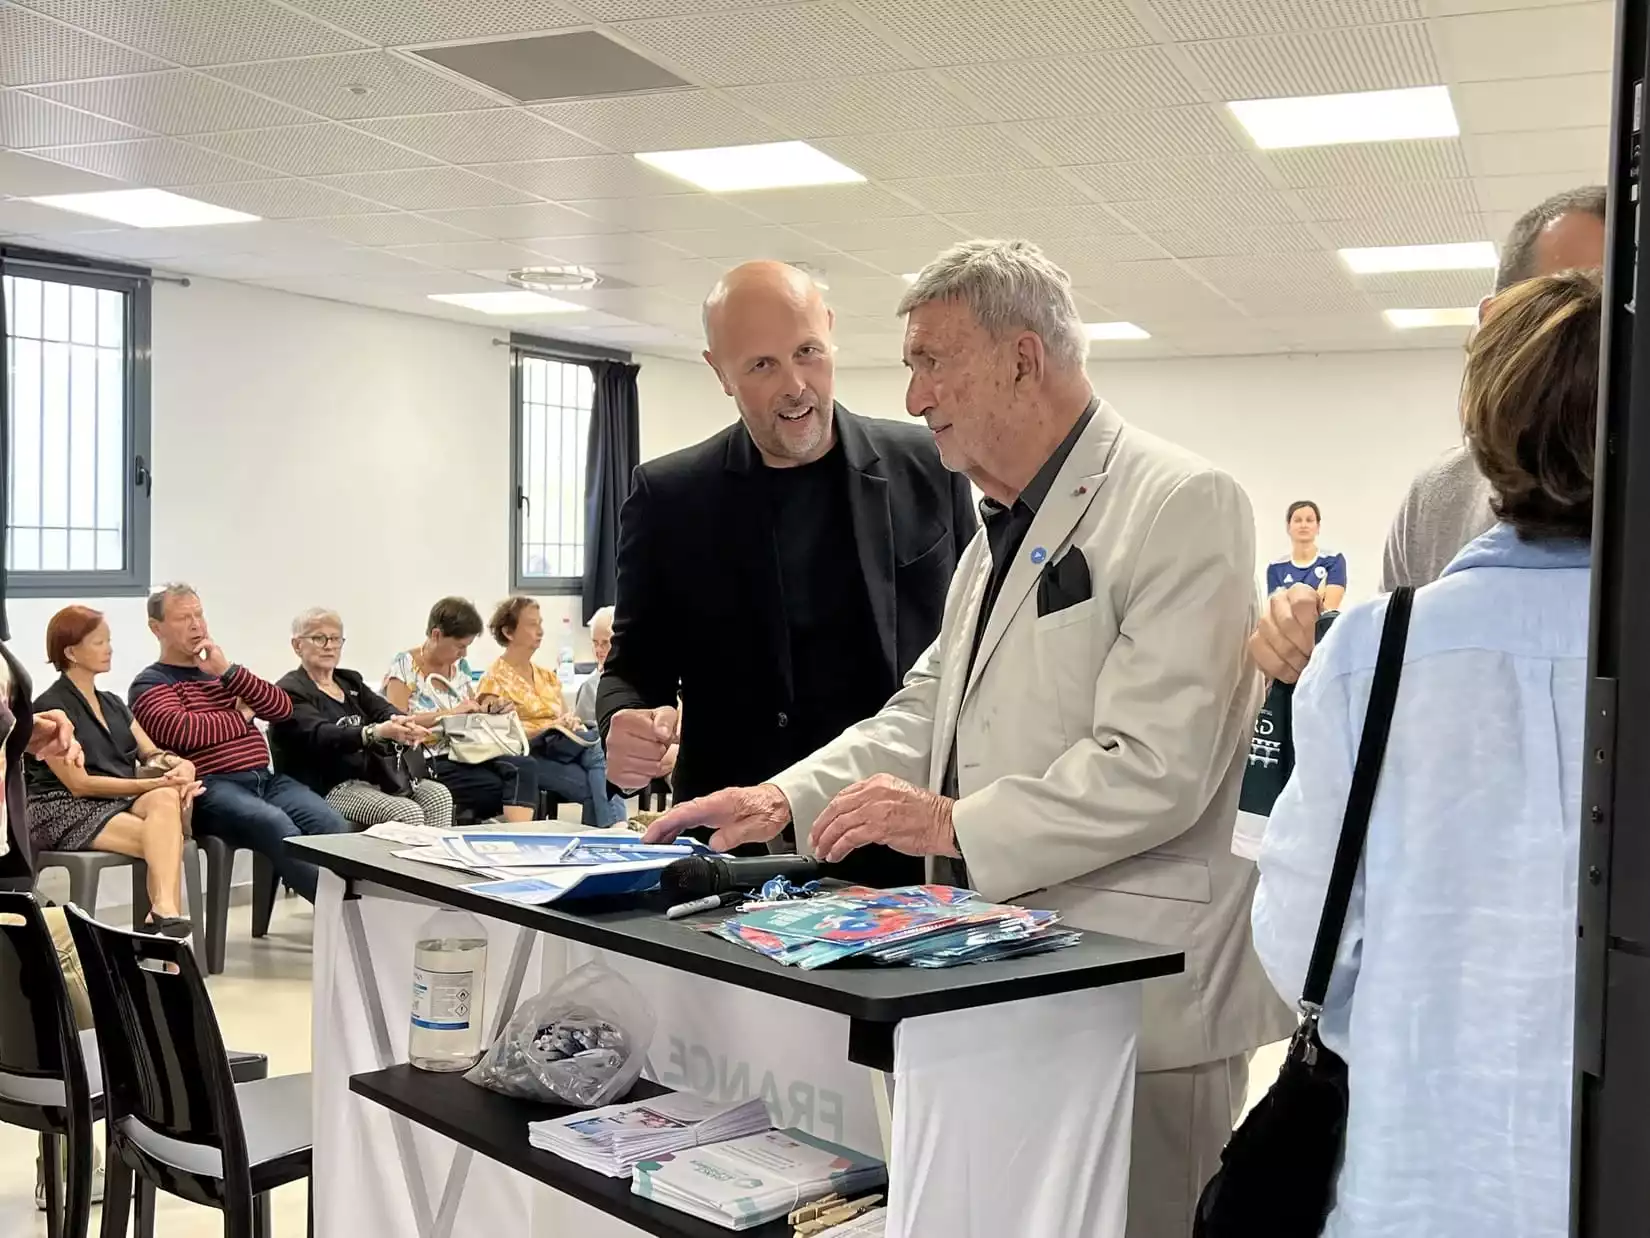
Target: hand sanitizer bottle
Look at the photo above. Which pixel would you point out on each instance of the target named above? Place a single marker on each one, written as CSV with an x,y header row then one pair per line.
x,y
449,979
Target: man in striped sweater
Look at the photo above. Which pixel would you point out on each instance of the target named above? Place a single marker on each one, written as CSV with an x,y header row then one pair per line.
x,y
196,703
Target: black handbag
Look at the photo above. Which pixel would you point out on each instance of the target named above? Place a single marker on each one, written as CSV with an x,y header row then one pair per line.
x,y
1277,1173
395,769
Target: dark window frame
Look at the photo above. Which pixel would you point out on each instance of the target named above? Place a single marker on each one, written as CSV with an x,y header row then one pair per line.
x,y
138,483
523,347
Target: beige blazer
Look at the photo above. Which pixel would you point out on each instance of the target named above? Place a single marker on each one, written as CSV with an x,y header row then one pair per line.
x,y
1100,749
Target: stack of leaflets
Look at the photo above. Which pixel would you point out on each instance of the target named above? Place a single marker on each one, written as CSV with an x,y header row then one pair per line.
x,y
920,926
613,1139
533,866
760,1178
872,1224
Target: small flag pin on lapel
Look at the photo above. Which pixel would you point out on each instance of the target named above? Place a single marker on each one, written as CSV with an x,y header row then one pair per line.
x,y
1038,554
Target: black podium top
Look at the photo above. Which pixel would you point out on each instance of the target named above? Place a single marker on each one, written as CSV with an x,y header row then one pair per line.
x,y
635,926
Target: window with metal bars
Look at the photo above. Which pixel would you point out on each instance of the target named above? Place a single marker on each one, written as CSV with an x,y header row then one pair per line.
x,y
77,429
550,436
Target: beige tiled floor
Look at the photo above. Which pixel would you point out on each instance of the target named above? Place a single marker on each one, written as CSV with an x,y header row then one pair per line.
x,y
263,1004
262,1000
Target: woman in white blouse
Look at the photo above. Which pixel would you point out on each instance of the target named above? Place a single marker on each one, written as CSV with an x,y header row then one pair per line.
x,y
1452,993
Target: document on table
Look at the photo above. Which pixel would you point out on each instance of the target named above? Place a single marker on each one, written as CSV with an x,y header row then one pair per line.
x,y
502,850
547,885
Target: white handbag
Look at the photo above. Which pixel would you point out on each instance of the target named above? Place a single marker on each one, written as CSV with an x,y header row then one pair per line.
x,y
475,739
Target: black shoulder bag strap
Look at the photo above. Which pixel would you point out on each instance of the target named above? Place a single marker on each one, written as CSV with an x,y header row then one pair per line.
x,y
1366,776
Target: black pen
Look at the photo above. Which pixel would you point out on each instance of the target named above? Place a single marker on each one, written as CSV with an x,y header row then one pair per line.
x,y
709,903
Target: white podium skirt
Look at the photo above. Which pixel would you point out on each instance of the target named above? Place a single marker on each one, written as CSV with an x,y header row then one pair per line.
x,y
1008,1121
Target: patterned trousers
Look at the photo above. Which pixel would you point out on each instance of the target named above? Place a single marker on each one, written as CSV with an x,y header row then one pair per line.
x,y
364,804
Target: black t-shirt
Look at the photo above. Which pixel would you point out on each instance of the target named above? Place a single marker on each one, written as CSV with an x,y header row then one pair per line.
x,y
828,625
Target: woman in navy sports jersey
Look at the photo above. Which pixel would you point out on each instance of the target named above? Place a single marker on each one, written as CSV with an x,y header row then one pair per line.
x,y
1305,564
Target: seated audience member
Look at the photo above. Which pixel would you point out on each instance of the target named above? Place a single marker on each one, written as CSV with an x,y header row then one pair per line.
x,y
1305,564
125,796
601,642
432,682
572,766
197,703
1452,995
341,740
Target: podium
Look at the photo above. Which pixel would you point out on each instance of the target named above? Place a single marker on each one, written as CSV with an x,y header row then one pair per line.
x,y
1000,1094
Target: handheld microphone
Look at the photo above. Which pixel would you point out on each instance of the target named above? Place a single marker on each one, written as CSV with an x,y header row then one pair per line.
x,y
700,876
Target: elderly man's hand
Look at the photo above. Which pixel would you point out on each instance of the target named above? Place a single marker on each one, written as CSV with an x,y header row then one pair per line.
x,y
52,738
214,661
1282,645
739,815
637,743
887,810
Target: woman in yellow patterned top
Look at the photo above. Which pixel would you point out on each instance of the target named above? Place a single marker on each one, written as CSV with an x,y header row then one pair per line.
x,y
568,752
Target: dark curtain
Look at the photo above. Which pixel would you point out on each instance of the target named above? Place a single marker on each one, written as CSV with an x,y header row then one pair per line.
x,y
614,452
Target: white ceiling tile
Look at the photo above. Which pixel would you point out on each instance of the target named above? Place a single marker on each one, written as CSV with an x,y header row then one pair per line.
x,y
1420,200
174,102
1118,136
1191,20
1406,226
160,162
1584,152
1195,176
27,121
35,51
989,190
511,222
394,86
918,230
780,44
1571,38
1520,193
896,260
1283,283
1123,81
25,176
592,176
287,198
927,152
1142,288
667,120
942,32
490,136
17,215
1079,255
1425,289
314,150
391,228
632,10
1335,331
1451,8
1231,242
826,203
200,32
762,241
1318,62
1371,163
1040,222
875,103
1191,214
437,21
614,247
1571,101
682,210
427,189
231,266
470,255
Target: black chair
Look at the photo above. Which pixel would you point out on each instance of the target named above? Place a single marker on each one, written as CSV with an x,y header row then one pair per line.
x,y
220,868
176,1117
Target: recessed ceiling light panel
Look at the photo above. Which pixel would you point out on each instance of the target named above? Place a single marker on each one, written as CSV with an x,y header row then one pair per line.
x,y
1333,120
145,208
520,302
1115,331
1411,319
1384,259
765,165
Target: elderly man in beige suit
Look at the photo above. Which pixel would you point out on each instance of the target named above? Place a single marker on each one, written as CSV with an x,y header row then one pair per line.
x,y
1076,736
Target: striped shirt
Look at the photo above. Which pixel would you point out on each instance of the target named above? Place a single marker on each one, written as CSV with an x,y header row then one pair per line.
x,y
186,711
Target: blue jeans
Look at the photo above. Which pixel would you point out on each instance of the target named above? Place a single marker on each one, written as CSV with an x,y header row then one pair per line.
x,y
577,775
259,811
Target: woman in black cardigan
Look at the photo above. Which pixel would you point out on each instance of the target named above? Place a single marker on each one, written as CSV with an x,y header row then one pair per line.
x,y
347,743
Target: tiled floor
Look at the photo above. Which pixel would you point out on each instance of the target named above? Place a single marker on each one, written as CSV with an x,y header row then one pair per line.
x,y
263,1004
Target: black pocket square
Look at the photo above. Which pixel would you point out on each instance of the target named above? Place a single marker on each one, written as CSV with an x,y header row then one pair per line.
x,y
1064,584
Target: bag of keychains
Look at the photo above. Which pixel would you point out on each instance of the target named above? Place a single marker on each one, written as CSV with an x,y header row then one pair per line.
x,y
583,1041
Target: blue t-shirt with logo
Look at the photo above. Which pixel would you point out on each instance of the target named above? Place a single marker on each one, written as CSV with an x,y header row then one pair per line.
x,y
1325,570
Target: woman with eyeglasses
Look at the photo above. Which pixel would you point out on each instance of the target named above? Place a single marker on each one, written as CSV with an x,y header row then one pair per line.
x,y
347,743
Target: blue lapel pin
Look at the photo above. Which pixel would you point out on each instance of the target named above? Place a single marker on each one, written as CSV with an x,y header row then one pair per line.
x,y
1038,555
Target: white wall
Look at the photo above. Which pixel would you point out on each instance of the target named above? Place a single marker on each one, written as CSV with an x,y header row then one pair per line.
x,y
1347,430
312,453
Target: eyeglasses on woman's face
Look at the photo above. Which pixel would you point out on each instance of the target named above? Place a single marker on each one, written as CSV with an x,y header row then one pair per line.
x,y
324,640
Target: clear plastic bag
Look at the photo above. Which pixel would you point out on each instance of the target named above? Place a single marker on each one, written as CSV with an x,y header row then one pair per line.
x,y
583,1041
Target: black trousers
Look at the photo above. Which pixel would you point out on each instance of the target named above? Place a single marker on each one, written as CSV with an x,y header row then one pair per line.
x,y
488,789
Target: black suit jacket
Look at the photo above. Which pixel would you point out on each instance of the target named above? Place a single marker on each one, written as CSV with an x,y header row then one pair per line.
x,y
698,608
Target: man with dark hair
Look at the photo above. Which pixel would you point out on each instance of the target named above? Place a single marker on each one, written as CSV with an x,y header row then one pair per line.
x,y
198,704
1448,505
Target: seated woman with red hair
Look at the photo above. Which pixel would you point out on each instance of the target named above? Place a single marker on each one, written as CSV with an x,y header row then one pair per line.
x,y
129,797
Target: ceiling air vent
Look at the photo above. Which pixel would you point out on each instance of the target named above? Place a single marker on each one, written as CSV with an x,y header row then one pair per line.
x,y
554,66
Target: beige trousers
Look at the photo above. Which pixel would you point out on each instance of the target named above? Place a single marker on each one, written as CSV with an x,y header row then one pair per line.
x,y
58,923
1182,1119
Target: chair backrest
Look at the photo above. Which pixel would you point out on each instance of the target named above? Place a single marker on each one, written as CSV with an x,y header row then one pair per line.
x,y
164,1065
40,1060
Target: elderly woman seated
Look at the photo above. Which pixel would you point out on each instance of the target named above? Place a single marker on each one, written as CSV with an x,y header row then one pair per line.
x,y
128,797
571,763
345,742
433,682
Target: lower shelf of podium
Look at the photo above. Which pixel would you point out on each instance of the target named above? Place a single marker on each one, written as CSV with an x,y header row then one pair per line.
x,y
496,1127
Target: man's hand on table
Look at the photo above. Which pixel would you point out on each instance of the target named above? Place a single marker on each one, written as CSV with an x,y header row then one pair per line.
x,y
739,815
638,743
887,810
